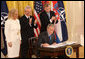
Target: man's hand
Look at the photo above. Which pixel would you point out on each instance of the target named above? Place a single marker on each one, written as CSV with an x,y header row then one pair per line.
x,y
30,20
53,18
54,43
45,45
35,22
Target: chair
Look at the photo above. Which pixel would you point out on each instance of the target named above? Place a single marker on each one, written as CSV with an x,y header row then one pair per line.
x,y
33,46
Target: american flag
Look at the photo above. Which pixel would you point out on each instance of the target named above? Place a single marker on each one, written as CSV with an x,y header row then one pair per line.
x,y
38,8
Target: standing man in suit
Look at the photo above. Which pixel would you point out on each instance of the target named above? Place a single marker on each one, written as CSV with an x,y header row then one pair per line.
x,y
27,23
47,17
48,37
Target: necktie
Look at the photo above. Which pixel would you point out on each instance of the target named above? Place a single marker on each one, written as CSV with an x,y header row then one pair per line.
x,y
48,15
50,40
57,39
29,20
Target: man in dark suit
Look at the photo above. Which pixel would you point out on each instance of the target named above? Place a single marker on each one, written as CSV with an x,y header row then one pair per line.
x,y
47,17
27,23
48,37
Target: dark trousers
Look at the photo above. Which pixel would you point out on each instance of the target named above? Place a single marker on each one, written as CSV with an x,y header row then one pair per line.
x,y
24,50
63,56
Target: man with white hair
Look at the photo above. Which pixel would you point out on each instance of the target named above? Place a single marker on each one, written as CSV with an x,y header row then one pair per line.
x,y
27,23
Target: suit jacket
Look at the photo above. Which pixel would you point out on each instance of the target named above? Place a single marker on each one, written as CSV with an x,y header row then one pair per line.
x,y
26,30
44,18
44,38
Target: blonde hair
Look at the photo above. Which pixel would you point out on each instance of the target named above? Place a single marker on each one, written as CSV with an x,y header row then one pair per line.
x,y
11,13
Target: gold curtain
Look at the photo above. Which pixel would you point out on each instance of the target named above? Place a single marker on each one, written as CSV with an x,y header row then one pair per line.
x,y
65,3
12,4
20,5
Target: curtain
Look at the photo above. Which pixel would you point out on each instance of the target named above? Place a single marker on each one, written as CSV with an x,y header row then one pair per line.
x,y
75,21
20,5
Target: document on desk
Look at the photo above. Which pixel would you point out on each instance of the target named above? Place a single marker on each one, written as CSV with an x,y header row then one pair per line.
x,y
60,44
57,45
69,43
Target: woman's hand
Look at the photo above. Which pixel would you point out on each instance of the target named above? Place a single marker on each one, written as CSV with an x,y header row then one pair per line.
x,y
20,42
10,44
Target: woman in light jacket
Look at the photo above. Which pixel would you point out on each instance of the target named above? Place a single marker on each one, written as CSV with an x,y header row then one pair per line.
x,y
12,33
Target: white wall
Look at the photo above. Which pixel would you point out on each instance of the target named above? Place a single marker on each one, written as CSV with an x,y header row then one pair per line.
x,y
75,20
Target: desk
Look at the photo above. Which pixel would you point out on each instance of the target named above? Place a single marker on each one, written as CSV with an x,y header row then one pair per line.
x,y
54,52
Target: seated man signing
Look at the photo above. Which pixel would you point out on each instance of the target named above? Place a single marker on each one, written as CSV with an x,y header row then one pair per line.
x,y
48,37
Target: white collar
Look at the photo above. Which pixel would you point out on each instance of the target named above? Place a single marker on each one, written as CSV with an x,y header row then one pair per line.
x,y
27,16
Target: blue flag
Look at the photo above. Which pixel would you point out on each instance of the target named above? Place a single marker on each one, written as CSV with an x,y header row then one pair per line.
x,y
4,16
57,39
63,20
